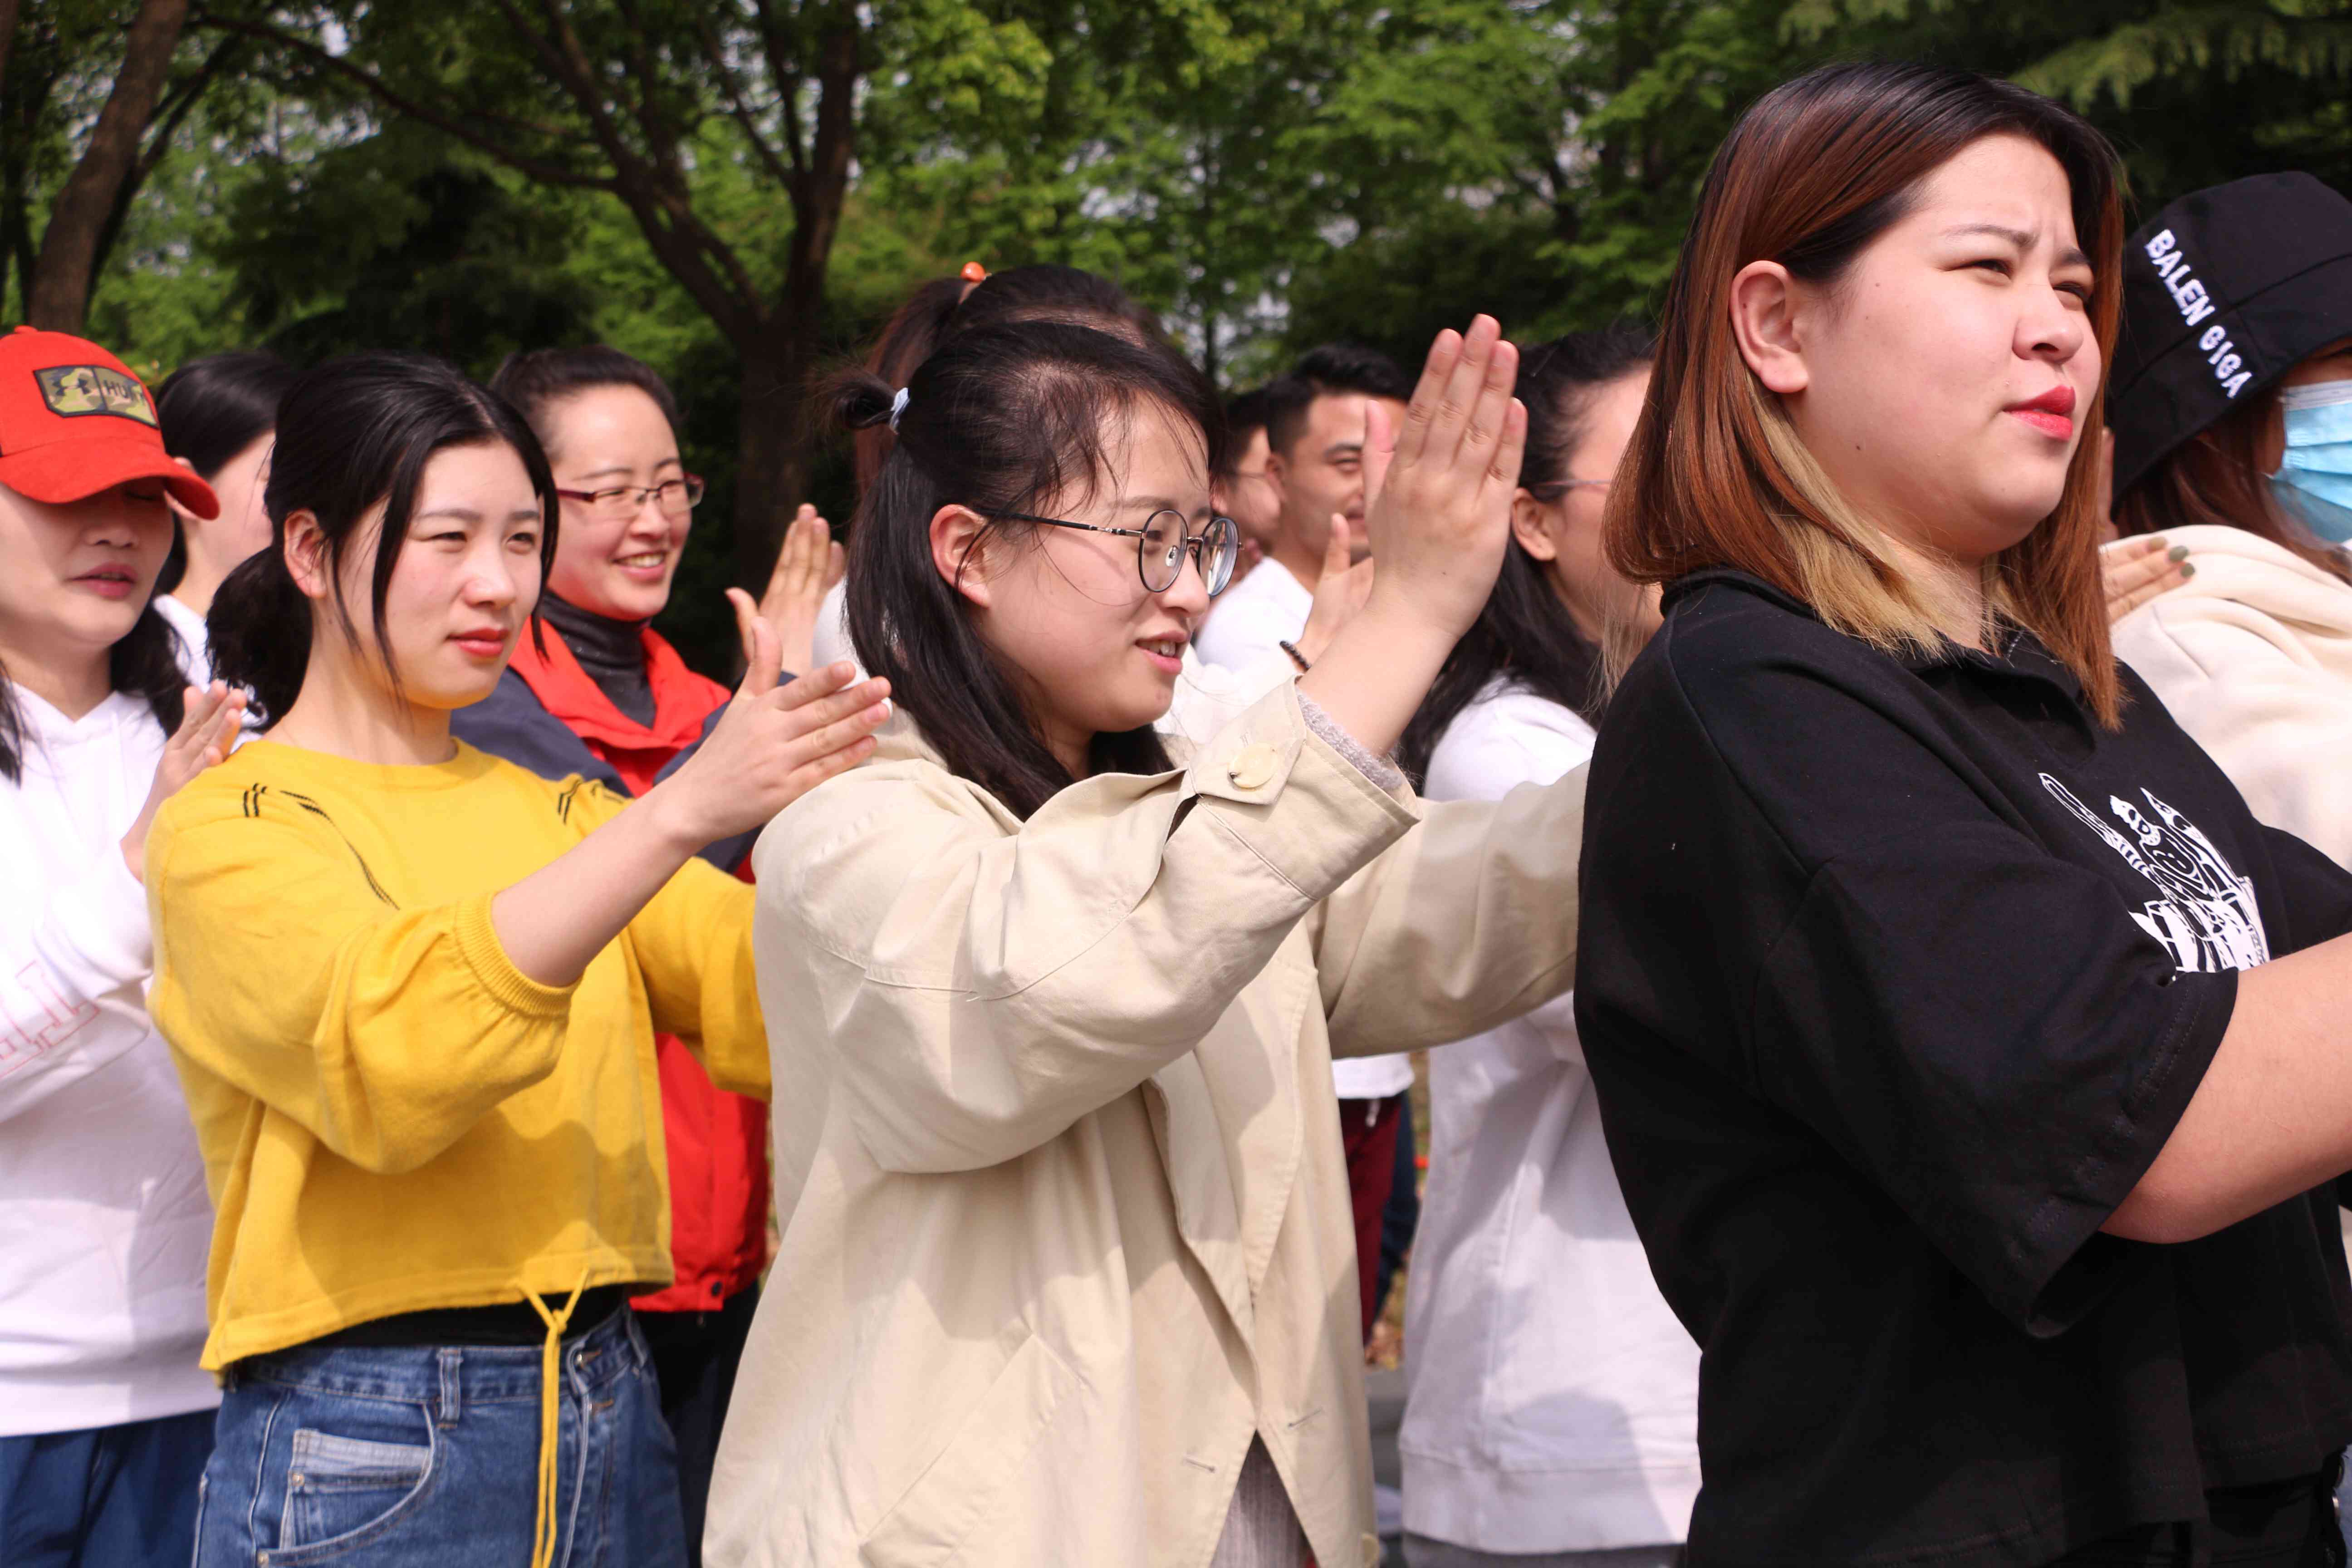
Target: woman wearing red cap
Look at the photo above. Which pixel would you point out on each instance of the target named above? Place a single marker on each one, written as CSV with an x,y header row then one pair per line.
x,y
105,1419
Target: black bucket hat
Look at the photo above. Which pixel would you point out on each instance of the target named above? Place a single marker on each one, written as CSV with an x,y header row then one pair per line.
x,y
2224,292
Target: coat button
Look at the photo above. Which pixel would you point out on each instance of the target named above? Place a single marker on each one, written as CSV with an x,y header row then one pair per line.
x,y
1252,766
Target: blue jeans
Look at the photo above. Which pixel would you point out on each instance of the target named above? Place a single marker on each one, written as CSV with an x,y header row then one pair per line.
x,y
106,1496
428,1457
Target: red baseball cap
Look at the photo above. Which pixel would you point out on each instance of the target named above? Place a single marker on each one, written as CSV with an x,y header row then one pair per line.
x,y
74,421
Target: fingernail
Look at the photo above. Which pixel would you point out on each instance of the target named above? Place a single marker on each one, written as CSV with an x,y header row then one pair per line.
x,y
2177,552
2187,570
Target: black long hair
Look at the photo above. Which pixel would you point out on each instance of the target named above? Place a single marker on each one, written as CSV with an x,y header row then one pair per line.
x,y
144,663
210,410
353,436
1524,632
945,306
1000,419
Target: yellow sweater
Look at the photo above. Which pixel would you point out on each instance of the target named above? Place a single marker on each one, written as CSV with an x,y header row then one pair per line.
x,y
393,1115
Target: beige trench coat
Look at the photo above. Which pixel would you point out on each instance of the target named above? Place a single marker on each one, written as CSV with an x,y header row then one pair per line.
x,y
1066,1215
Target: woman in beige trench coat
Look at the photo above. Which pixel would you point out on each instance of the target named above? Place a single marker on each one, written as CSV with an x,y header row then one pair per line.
x,y
1068,1273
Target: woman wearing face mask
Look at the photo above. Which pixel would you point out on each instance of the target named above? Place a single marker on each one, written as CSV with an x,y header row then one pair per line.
x,y
412,991
1552,1399
105,1419
1068,1268
2238,451
599,693
218,416
1971,1056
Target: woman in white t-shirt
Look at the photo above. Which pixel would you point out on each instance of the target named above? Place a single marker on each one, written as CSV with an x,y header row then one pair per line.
x,y
220,416
1552,1405
105,1417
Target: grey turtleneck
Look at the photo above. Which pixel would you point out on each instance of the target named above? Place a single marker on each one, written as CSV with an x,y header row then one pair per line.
x,y
611,651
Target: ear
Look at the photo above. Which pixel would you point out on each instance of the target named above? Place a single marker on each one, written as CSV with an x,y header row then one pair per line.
x,y
1764,307
306,556
956,553
1531,526
1274,467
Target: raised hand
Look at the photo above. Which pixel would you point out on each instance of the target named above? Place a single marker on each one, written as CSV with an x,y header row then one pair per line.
x,y
807,567
774,743
1339,593
2134,571
209,718
1439,519
1440,514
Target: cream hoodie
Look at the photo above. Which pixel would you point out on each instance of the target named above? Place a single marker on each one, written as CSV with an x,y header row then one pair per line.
x,y
2253,657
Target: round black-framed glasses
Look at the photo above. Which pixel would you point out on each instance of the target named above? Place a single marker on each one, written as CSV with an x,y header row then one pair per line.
x,y
1161,544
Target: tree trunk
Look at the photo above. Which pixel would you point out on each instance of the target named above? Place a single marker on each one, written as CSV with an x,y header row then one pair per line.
x,y
772,442
8,32
57,296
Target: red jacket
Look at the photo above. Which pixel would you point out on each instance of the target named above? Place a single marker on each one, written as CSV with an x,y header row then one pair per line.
x,y
718,1142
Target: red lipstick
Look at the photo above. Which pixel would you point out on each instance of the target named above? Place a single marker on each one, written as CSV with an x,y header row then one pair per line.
x,y
2050,412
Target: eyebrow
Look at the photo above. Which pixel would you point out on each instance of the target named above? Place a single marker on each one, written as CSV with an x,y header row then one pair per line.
x,y
2073,256
623,470
1150,504
467,515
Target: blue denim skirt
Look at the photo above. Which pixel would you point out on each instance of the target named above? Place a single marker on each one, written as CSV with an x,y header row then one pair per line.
x,y
427,1456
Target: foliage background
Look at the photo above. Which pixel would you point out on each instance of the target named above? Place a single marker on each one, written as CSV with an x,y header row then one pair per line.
x,y
1270,173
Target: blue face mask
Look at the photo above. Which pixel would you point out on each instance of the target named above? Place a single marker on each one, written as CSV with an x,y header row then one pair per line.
x,y
2314,482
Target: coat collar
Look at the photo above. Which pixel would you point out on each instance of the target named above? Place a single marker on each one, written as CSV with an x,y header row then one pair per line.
x,y
546,665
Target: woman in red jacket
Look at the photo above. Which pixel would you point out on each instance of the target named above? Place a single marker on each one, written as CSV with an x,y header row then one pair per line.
x,y
602,694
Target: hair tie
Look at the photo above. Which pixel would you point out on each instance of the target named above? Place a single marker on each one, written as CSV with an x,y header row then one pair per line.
x,y
897,407
974,272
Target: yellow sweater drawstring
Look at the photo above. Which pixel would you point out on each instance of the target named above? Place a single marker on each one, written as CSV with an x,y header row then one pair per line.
x,y
543,1540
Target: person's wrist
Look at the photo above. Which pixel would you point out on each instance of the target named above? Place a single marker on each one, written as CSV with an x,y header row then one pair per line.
x,y
1398,615
671,814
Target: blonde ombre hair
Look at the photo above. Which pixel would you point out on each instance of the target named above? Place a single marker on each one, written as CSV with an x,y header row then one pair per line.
x,y
1715,474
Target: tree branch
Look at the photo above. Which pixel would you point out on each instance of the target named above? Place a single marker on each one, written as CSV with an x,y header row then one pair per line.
x,y
173,113
784,65
786,175
655,197
399,103
58,294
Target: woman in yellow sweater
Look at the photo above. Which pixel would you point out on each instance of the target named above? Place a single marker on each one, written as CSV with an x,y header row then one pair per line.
x,y
412,991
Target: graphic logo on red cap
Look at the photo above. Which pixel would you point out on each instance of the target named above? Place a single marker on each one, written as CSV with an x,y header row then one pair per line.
x,y
76,390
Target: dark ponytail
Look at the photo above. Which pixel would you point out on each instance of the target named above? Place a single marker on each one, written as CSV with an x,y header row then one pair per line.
x,y
1000,419
1524,632
353,436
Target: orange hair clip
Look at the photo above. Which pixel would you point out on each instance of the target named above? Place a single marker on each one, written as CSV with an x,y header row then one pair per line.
x,y
974,272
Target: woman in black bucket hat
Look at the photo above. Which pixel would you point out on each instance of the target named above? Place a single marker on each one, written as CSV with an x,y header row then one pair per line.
x,y
2232,403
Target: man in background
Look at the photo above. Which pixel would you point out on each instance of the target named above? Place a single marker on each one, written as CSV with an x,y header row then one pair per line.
x,y
1316,427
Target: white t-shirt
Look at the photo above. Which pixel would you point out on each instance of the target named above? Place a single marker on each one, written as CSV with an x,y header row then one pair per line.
x,y
1247,624
195,643
1551,1396
1247,621
105,1224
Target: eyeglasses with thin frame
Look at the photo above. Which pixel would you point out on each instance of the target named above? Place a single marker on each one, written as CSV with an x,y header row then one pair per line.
x,y
1161,544
621,503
